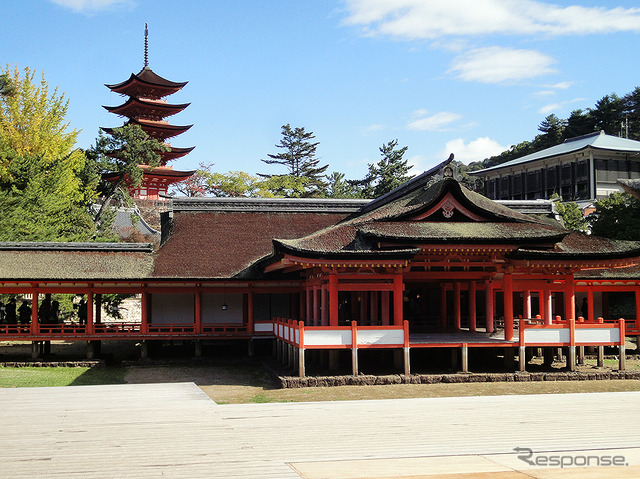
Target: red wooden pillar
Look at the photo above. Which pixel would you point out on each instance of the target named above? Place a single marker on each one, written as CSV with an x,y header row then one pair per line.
x,y
333,300
397,299
541,311
34,312
324,307
472,306
144,313
197,313
526,297
590,306
89,327
488,304
456,306
570,298
443,307
548,311
508,306
384,308
250,311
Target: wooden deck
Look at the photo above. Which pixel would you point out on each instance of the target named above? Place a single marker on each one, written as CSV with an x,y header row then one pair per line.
x,y
175,430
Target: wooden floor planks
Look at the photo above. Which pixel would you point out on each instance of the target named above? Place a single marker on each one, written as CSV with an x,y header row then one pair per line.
x,y
175,430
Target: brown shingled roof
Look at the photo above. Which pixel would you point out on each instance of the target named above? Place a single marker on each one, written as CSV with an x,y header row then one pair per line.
x,y
225,244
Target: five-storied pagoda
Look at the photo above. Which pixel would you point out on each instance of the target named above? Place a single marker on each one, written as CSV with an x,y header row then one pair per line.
x,y
147,107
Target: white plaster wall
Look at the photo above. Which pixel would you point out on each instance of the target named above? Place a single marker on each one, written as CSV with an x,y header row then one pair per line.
x,y
172,308
212,311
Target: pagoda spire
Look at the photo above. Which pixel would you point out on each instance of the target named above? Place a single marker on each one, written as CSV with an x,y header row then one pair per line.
x,y
146,46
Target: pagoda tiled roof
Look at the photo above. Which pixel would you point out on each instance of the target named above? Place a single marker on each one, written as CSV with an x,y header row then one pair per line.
x,y
148,84
136,108
155,129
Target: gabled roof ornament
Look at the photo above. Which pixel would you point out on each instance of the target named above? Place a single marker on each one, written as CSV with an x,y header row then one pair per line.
x,y
445,170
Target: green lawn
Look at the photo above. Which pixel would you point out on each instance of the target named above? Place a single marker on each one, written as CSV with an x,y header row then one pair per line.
x,y
59,376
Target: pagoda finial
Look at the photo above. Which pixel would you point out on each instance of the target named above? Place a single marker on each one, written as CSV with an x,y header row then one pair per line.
x,y
146,46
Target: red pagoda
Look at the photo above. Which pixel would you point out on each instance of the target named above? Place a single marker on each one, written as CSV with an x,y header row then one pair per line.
x,y
147,107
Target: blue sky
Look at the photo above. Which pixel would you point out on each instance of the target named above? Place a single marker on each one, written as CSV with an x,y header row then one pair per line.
x,y
469,77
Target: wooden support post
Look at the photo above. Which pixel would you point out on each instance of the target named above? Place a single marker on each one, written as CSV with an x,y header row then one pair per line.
x,y
316,307
197,348
464,353
398,287
508,307
472,306
144,313
35,349
144,349
91,353
301,365
407,361
600,356
488,295
278,350
454,358
333,300
309,296
457,315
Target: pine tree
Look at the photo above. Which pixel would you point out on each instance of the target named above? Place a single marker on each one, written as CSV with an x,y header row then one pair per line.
x,y
298,155
386,175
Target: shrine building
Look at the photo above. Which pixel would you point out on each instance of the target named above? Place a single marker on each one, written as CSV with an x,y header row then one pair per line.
x,y
429,266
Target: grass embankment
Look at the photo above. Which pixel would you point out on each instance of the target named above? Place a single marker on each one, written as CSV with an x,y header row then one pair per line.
x,y
59,376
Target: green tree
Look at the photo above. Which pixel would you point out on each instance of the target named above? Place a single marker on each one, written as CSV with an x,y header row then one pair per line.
x,y
122,152
386,175
44,194
552,129
238,184
298,155
617,217
339,187
608,114
571,215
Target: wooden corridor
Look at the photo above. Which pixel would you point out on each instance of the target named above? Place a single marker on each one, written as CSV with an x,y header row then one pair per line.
x,y
175,430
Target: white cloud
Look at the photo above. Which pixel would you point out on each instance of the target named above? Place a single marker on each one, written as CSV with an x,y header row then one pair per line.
x,y
555,107
475,150
432,19
500,65
433,122
89,5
